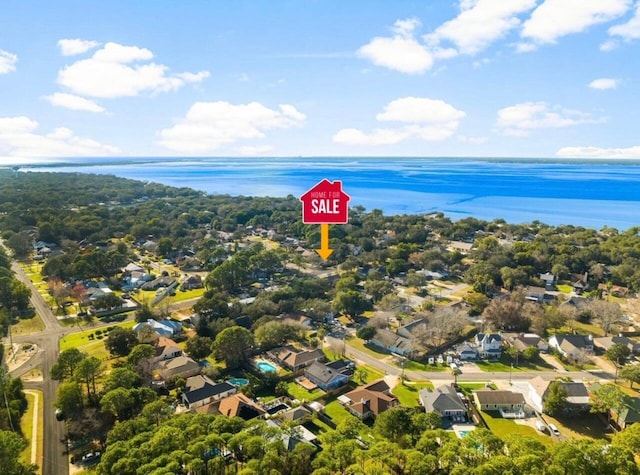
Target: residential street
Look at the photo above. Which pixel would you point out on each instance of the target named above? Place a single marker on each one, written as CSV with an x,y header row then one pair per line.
x,y
471,375
55,460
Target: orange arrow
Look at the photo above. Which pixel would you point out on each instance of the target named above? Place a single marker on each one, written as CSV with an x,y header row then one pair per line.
x,y
324,250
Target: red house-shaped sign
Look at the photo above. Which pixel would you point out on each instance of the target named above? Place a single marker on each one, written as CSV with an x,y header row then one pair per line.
x,y
325,203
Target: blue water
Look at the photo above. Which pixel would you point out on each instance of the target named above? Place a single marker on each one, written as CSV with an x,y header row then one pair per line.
x,y
239,381
266,367
586,193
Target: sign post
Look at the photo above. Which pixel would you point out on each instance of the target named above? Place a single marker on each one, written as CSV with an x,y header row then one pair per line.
x,y
324,204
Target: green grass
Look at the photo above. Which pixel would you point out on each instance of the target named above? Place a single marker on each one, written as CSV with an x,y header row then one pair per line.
x,y
418,366
498,367
26,326
298,392
336,412
372,374
586,426
564,288
81,339
26,426
468,388
408,393
506,362
503,427
359,344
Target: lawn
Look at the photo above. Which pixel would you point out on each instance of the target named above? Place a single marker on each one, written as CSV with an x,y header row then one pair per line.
x,y
298,392
586,426
408,393
26,326
564,288
418,366
26,426
82,340
503,427
359,344
507,364
371,374
468,388
336,412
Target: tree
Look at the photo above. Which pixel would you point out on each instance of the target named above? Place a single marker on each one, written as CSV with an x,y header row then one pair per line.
x,y
628,438
139,353
11,446
118,402
65,366
275,333
350,302
609,314
606,398
121,378
513,353
199,347
69,399
631,373
366,332
556,400
231,345
394,423
121,341
88,371
618,354
531,353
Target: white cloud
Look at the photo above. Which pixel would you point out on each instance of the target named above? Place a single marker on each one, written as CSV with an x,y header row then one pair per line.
x,y
604,83
473,140
377,137
629,30
608,45
424,118
7,62
401,52
254,150
480,23
73,102
71,47
244,77
519,119
208,125
420,110
18,138
556,18
598,152
108,73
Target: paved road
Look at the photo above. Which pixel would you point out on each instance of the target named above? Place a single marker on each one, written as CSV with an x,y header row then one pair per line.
x,y
470,376
55,460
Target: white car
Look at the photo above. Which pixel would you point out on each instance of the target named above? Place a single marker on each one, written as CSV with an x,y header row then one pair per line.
x,y
554,430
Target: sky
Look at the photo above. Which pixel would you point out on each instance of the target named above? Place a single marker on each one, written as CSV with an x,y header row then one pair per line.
x,y
468,78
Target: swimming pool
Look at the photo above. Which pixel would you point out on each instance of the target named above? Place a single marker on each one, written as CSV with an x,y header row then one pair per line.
x,y
266,367
239,381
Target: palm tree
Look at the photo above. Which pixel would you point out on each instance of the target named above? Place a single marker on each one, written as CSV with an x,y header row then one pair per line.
x,y
455,372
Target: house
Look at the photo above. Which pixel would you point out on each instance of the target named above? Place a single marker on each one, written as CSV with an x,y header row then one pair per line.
x,y
606,342
577,395
510,405
445,401
155,284
201,390
342,366
166,328
294,359
408,330
578,303
549,280
535,294
192,282
131,267
393,342
572,346
181,366
239,405
368,401
325,377
166,349
579,282
467,352
522,341
460,246
296,414
615,290
630,412
291,438
489,345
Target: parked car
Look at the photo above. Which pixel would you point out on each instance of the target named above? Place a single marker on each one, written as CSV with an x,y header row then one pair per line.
x,y
59,414
554,430
91,457
541,426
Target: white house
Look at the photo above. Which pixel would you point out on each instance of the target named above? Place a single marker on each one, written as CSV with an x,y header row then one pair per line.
x,y
489,345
